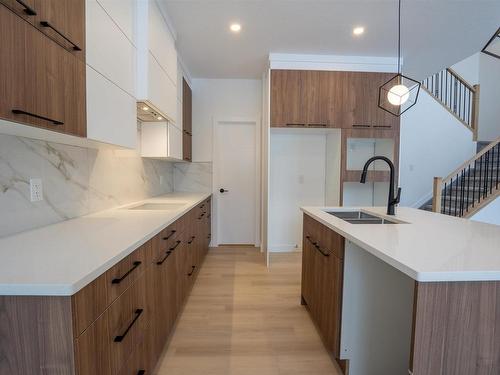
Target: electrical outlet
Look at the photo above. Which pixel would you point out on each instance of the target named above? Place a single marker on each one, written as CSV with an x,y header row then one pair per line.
x,y
36,189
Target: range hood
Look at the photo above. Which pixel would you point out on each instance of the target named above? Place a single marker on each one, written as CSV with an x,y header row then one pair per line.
x,y
148,113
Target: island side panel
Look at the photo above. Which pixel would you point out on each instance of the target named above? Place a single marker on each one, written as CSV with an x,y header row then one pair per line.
x,y
457,328
36,335
377,314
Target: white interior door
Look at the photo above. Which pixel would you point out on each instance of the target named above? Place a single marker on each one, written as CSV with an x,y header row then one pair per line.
x,y
235,182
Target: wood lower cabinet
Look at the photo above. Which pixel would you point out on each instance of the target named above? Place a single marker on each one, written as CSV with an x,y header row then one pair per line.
x,y
117,325
322,279
41,84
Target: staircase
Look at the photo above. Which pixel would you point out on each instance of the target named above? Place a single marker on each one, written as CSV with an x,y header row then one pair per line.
x,y
456,95
471,186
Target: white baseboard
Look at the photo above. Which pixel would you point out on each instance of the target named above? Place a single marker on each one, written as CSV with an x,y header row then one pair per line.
x,y
283,248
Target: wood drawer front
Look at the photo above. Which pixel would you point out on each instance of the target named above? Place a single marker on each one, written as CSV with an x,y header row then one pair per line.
x,y
324,239
88,304
123,274
128,319
167,241
139,362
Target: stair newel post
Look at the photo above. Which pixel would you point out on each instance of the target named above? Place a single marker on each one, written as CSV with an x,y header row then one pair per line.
x,y
437,194
475,112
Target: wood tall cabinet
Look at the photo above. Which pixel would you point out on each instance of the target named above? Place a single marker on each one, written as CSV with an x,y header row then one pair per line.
x,y
42,68
322,278
187,122
328,99
119,323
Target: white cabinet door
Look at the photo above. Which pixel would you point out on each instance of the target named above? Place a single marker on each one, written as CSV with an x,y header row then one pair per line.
x,y
109,51
111,112
174,142
123,13
161,41
162,92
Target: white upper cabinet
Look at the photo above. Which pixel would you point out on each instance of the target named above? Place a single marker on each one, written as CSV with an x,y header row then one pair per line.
x,y
157,60
161,140
111,72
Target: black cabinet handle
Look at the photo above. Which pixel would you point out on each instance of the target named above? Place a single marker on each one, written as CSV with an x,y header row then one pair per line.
x,y
21,112
191,240
192,270
187,132
170,235
361,126
317,125
141,372
292,124
47,24
317,247
177,243
119,280
27,9
138,313
167,254
201,216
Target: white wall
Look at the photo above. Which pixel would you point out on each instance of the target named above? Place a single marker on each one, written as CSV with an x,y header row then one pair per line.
x,y
489,214
469,68
433,143
297,178
489,108
221,99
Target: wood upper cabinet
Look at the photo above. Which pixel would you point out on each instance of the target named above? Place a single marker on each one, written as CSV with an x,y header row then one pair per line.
x,y
187,122
333,99
26,9
64,22
364,88
286,98
41,84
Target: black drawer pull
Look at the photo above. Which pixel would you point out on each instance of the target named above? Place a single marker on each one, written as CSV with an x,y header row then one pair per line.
x,y
317,247
170,235
47,24
27,9
21,112
119,280
191,240
177,243
141,372
291,125
167,254
361,126
201,216
382,126
317,125
138,313
192,270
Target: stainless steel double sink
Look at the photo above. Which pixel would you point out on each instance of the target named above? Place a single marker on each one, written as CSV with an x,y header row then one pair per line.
x,y
359,217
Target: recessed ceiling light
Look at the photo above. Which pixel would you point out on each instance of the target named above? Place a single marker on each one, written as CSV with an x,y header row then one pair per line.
x,y
235,27
159,118
145,108
358,30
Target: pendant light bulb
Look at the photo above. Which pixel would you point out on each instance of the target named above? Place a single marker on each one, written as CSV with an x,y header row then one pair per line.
x,y
398,95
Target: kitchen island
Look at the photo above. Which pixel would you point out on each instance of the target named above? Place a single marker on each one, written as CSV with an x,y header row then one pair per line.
x,y
418,295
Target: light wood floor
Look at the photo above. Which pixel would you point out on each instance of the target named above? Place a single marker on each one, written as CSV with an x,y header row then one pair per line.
x,y
243,319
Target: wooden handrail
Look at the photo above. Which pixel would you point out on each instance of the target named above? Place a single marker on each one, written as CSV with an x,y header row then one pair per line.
x,y
462,80
470,161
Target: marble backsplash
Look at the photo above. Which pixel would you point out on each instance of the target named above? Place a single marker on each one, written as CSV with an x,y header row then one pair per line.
x,y
76,181
193,177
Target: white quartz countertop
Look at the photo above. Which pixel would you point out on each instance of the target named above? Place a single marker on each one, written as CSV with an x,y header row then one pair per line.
x,y
60,259
428,247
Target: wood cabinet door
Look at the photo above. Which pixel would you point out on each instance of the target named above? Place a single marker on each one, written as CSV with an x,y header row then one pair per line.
x,y
365,89
187,107
286,103
64,22
338,99
41,84
187,146
26,9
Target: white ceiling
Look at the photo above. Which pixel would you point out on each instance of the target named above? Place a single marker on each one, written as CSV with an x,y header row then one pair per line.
x,y
436,33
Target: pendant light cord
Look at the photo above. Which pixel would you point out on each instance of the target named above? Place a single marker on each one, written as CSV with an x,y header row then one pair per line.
x,y
399,38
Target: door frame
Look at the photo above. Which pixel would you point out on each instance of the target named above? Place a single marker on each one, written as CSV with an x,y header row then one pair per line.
x,y
254,121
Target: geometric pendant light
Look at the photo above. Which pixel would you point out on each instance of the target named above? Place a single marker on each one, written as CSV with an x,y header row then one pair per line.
x,y
400,93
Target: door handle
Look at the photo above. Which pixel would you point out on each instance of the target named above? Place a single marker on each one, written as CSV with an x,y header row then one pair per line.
x,y
222,190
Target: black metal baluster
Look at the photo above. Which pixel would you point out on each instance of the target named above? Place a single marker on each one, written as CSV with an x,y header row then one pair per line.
x,y
456,195
461,192
443,203
480,178
486,165
474,184
451,192
492,165
468,187
498,162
